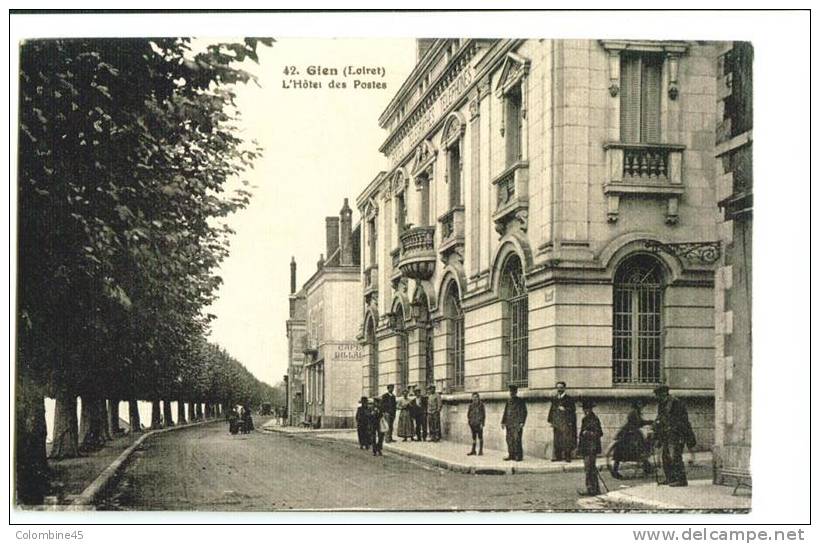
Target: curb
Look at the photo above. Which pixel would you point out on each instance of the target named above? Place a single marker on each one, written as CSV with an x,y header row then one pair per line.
x,y
86,499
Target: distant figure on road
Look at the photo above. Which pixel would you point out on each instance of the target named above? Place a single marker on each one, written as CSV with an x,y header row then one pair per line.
x,y
388,405
672,432
434,414
589,446
564,423
247,420
475,418
363,424
233,421
405,406
515,415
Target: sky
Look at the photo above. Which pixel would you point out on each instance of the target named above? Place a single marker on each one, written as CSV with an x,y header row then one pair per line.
x,y
319,147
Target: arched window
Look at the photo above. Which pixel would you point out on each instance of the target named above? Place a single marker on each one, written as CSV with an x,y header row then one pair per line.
x,y
401,340
373,358
455,334
516,318
426,327
637,334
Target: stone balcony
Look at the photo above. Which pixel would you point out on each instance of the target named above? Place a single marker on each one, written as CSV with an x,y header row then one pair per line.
x,y
652,170
452,233
417,257
512,196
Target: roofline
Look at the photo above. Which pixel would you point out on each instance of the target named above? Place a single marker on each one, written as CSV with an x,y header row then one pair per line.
x,y
369,190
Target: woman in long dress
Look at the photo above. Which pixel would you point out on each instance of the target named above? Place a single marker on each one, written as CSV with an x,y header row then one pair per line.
x,y
404,406
363,424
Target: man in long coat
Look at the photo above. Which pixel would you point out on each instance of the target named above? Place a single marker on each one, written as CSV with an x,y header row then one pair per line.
x,y
564,423
589,446
672,432
515,415
388,406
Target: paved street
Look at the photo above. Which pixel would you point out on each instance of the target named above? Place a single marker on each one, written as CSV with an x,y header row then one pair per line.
x,y
205,468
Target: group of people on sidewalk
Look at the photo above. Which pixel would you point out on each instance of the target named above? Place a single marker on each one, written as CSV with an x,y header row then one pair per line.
x,y
671,432
419,417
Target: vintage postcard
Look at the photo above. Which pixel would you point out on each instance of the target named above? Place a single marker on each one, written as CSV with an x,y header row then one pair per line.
x,y
262,273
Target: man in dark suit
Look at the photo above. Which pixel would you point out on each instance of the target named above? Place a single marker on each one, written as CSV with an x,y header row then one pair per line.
x,y
589,446
564,423
515,415
672,432
388,406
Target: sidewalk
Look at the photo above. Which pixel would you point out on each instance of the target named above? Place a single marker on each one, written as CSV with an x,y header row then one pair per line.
x,y
453,455
700,495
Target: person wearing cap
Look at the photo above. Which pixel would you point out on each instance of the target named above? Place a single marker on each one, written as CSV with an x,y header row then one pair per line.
x,y
475,418
420,414
515,415
564,421
434,413
363,424
388,404
673,432
589,446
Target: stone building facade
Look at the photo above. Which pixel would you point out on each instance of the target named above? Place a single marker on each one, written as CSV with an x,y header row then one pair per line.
x,y
331,355
549,214
733,281
295,330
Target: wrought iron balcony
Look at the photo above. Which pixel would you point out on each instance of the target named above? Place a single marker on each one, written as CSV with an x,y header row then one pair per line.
x,y
452,232
417,259
512,196
643,169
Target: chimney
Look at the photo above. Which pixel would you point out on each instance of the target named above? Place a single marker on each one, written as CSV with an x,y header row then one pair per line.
x,y
332,236
292,275
346,216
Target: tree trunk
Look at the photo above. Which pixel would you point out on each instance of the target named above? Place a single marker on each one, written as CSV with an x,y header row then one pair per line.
x,y
191,411
66,442
30,463
167,412
180,413
156,417
199,411
114,417
134,416
106,428
92,424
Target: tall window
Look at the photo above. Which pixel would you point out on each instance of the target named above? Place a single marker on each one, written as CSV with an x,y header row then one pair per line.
x,y
401,338
455,321
454,173
371,240
512,125
516,317
373,358
401,212
641,98
427,338
636,328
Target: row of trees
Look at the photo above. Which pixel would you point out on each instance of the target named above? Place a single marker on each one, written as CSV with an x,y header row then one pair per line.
x,y
126,148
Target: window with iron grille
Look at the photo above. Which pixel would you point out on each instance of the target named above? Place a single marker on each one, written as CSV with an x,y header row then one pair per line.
x,y
637,333
516,312
403,356
455,318
641,98
373,358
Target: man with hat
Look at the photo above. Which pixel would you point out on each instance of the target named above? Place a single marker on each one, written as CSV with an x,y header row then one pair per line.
x,y
388,406
672,432
434,413
564,422
589,446
515,415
